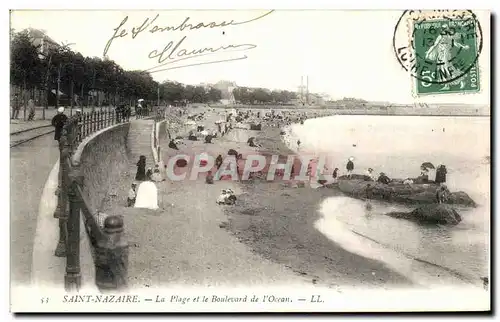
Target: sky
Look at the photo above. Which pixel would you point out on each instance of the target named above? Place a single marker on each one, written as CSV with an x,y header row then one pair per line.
x,y
343,53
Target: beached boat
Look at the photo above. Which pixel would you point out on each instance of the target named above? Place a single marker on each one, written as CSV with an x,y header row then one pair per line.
x,y
359,187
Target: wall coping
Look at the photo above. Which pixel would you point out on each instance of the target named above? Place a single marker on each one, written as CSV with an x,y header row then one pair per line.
x,y
81,147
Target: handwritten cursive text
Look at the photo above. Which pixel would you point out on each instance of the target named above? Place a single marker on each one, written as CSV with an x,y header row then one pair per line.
x,y
185,25
173,52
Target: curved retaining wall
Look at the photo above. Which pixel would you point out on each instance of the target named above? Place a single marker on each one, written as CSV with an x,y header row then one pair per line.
x,y
103,158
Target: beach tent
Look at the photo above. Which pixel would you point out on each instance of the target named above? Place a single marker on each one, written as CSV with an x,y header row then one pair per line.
x,y
147,196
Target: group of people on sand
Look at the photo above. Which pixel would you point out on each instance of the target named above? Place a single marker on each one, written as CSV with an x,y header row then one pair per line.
x,y
369,175
442,192
142,175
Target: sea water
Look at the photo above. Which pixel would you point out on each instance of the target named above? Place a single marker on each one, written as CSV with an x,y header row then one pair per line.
x,y
398,145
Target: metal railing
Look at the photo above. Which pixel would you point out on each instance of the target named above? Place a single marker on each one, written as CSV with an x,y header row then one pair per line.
x,y
109,247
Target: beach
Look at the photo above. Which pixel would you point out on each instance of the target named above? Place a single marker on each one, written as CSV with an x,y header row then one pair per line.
x,y
275,234
297,219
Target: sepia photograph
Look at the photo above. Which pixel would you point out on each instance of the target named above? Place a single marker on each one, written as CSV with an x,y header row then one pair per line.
x,y
250,160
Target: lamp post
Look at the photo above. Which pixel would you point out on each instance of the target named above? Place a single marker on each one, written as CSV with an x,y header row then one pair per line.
x,y
61,65
46,83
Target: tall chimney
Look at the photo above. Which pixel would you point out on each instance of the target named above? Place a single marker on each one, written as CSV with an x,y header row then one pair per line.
x,y
301,88
307,89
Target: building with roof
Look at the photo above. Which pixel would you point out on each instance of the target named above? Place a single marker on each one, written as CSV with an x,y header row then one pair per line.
x,y
40,38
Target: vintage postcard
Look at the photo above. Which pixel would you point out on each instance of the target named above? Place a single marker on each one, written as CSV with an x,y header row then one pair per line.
x,y
250,160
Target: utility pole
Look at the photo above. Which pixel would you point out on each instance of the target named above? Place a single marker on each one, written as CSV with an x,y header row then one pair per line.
x,y
47,89
71,95
302,89
307,90
158,95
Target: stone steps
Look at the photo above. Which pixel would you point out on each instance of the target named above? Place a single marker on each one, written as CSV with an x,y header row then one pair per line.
x,y
139,143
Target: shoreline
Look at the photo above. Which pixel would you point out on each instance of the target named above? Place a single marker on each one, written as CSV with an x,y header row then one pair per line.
x,y
364,112
271,232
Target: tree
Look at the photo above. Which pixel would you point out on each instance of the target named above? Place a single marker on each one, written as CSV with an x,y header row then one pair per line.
x,y
173,91
25,63
261,95
189,92
214,95
74,73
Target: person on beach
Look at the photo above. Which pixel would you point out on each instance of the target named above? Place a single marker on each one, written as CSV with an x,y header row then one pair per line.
x,y
149,174
131,195
58,122
156,176
218,161
442,193
441,174
350,166
173,145
369,191
141,169
424,175
335,173
383,178
209,178
408,182
31,108
370,174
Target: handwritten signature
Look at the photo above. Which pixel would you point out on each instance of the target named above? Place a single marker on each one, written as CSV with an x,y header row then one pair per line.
x,y
172,53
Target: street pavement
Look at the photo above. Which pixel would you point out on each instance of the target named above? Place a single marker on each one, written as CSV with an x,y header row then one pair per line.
x,y
30,165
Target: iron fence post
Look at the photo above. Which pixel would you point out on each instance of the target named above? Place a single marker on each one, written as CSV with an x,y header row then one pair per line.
x,y
112,256
61,210
72,279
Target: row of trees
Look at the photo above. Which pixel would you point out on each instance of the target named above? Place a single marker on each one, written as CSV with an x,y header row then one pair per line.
x,y
94,80
91,78
247,95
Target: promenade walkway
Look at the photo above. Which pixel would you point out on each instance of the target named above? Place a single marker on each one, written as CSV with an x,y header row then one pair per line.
x,y
30,165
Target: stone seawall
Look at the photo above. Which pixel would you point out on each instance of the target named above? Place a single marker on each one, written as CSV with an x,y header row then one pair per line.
x,y
104,161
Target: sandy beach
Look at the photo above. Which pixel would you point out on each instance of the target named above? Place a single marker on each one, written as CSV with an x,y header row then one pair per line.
x,y
268,237
277,222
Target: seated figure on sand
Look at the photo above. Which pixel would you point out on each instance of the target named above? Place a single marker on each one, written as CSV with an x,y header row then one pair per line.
x,y
335,173
157,177
131,195
149,174
173,145
408,181
227,197
147,196
370,174
424,176
383,178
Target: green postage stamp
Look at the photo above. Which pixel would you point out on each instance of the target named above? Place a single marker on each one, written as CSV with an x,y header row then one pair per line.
x,y
443,50
449,49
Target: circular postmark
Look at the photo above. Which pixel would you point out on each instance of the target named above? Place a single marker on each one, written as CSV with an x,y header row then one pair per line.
x,y
438,46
